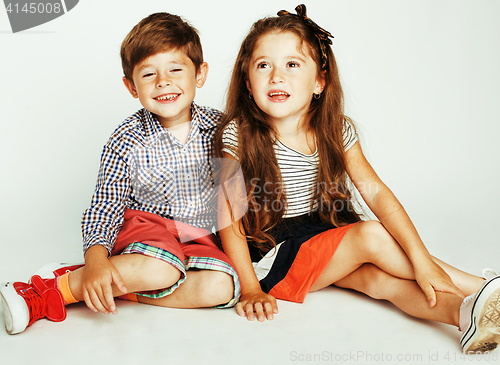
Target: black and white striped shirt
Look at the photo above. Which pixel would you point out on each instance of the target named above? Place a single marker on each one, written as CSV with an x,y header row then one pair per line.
x,y
298,170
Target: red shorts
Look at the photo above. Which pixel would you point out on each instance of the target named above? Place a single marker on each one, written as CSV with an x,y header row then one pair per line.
x,y
181,245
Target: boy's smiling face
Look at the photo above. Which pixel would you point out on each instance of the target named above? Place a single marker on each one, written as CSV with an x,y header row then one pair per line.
x,y
165,84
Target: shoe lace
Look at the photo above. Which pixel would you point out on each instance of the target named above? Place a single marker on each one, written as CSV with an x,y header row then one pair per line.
x,y
36,304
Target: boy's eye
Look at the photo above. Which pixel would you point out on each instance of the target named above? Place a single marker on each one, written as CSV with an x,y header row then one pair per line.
x,y
176,70
148,74
293,64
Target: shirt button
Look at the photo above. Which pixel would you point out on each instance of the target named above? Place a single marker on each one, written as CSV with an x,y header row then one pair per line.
x,y
190,205
184,150
153,179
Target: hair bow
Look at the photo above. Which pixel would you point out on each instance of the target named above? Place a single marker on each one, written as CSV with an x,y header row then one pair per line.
x,y
320,33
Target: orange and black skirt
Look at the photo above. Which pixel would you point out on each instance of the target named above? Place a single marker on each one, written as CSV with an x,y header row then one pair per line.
x,y
304,249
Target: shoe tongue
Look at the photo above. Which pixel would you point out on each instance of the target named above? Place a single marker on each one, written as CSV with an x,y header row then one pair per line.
x,y
465,312
38,283
489,273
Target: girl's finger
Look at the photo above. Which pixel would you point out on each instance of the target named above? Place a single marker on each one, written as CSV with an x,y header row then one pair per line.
x,y
249,312
239,309
269,310
259,311
430,294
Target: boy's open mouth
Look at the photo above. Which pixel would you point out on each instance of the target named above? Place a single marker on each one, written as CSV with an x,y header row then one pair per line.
x,y
278,95
167,97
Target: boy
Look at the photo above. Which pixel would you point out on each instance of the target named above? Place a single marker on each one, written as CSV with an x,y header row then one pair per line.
x,y
147,230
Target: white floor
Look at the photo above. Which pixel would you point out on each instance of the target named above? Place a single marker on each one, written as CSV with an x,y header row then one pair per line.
x,y
331,326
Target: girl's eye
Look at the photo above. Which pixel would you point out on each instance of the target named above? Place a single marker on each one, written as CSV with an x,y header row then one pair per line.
x,y
263,65
293,64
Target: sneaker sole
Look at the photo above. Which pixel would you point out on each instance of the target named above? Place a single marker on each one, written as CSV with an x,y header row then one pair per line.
x,y
16,315
483,334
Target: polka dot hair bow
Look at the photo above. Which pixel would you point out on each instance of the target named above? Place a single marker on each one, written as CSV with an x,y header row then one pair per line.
x,y
320,33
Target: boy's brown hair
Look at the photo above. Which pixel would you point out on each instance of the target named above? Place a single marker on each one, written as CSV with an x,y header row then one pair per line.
x,y
159,32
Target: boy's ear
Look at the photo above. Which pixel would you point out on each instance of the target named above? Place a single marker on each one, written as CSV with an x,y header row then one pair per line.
x,y
202,74
130,87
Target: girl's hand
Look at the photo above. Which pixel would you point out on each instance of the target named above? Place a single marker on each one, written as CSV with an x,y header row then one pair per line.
x,y
432,278
259,302
98,276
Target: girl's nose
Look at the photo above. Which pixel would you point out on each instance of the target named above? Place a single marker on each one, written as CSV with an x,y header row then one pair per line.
x,y
277,77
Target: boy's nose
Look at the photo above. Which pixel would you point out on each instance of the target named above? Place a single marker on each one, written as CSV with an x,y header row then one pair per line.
x,y
163,82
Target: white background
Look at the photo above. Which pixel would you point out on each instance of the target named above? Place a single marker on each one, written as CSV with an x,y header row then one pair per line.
x,y
421,80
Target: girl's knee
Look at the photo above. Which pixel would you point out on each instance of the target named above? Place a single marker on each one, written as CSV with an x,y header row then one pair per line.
x,y
374,237
372,281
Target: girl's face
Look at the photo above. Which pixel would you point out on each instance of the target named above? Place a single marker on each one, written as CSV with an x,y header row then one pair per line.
x,y
282,77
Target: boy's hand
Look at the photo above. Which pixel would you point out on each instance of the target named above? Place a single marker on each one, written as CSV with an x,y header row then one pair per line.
x,y
98,276
258,302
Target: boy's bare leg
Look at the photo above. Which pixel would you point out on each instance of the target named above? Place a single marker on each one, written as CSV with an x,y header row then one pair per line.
x,y
404,294
205,288
202,288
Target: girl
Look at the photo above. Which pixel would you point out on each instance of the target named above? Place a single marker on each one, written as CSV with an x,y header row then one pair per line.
x,y
286,127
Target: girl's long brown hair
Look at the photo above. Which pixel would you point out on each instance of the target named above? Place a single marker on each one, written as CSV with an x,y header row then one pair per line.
x,y
325,120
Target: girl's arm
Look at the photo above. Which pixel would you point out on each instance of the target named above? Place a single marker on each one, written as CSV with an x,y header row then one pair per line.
x,y
380,199
235,246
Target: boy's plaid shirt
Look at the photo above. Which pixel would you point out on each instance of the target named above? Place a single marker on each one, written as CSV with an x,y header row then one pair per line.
x,y
144,167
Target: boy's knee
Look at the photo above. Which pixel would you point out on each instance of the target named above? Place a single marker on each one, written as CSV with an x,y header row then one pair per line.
x,y
157,273
215,288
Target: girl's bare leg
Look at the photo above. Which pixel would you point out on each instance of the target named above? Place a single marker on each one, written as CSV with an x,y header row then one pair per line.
x,y
369,242
404,294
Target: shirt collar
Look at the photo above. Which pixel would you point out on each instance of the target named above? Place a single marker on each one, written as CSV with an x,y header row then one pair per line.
x,y
154,130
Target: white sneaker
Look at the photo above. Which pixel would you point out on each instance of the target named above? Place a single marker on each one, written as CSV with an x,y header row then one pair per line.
x,y
480,318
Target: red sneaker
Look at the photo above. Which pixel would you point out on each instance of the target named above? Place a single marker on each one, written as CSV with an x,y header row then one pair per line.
x,y
55,269
23,304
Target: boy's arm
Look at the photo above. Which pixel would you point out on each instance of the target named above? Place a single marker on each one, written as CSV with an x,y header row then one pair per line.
x,y
102,221
100,226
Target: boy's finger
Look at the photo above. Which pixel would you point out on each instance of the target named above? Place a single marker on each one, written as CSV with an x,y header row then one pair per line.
x,y
117,279
87,301
110,301
98,302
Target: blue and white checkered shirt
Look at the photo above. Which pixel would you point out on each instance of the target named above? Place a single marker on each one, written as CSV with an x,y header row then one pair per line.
x,y
144,167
